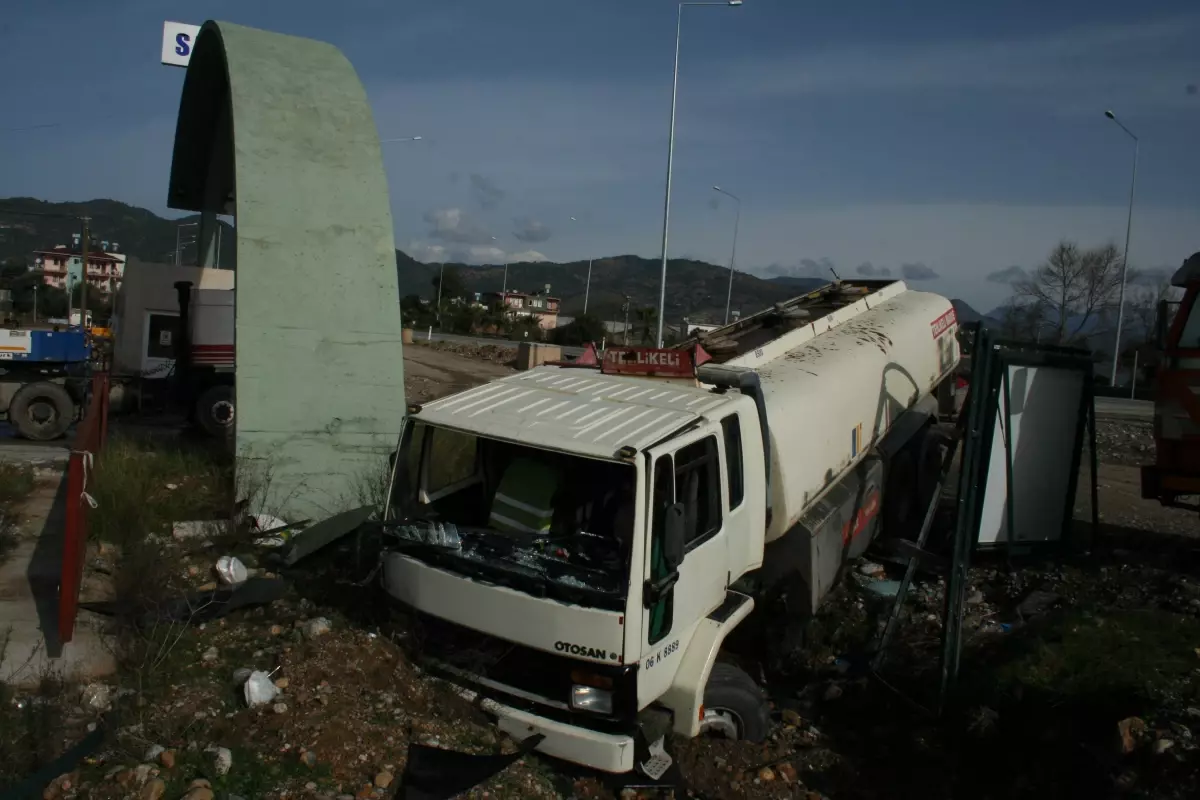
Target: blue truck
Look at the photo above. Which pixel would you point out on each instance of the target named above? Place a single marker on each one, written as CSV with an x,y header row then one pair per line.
x,y
43,379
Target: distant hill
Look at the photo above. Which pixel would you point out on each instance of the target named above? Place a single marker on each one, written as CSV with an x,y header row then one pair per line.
x,y
695,289
964,312
28,224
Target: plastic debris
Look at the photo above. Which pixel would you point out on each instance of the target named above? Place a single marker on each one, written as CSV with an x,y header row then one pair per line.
x,y
433,533
196,529
279,530
259,689
658,763
231,570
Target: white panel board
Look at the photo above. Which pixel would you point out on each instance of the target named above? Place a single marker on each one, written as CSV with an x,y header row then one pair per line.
x,y
1045,420
178,40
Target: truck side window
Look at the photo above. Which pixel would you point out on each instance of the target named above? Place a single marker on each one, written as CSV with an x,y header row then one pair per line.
x,y
451,459
732,427
664,495
698,487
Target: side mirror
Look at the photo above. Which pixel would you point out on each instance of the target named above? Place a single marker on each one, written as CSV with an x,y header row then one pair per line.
x,y
673,536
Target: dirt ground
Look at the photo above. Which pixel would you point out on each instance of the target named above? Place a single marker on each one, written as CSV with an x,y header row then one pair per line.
x,y
1081,676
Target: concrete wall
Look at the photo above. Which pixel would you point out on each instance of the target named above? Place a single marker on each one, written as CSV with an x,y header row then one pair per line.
x,y
277,131
151,288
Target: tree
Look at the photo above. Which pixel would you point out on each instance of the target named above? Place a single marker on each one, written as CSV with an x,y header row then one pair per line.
x,y
1141,307
1022,320
451,283
1075,287
583,329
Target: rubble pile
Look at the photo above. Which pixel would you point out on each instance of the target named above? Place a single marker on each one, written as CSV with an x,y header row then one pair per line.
x,y
1125,442
487,352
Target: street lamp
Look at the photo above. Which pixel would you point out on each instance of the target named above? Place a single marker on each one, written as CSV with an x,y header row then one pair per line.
x,y
1125,260
662,288
733,255
587,287
402,139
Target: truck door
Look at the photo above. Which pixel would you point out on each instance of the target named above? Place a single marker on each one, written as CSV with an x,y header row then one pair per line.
x,y
686,471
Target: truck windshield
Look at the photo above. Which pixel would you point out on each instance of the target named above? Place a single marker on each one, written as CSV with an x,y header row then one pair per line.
x,y
546,523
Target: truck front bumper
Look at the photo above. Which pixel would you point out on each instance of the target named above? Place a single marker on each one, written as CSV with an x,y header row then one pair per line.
x,y
603,751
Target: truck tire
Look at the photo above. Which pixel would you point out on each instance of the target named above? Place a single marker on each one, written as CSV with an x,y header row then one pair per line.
x,y
734,705
41,411
214,411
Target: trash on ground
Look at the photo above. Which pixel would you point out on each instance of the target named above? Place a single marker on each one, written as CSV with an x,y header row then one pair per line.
x,y
259,689
231,570
326,532
197,529
198,607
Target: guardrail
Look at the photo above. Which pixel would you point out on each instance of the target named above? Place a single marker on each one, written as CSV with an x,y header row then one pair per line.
x,y
90,437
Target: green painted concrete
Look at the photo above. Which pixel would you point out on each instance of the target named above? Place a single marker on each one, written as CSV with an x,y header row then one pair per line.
x,y
277,130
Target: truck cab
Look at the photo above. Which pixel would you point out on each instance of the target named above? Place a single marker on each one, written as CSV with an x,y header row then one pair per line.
x,y
1175,473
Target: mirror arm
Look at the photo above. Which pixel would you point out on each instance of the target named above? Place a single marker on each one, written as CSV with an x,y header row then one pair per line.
x,y
654,591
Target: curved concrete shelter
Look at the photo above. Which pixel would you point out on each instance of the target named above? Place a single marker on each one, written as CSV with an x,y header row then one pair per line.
x,y
276,131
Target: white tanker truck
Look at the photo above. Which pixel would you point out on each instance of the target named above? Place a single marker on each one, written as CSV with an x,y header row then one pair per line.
x,y
579,541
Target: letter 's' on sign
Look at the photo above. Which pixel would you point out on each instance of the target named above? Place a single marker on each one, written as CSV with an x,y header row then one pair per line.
x,y
177,43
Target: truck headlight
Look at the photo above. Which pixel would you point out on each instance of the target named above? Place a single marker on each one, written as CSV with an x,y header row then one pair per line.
x,y
589,698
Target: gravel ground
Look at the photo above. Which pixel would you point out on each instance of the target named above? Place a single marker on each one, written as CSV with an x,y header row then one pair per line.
x,y
1080,678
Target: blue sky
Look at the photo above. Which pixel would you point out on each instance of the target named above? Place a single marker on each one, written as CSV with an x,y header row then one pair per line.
x,y
956,139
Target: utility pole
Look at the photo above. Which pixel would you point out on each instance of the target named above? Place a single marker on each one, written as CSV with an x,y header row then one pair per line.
x,y
441,276
587,288
625,332
83,290
35,302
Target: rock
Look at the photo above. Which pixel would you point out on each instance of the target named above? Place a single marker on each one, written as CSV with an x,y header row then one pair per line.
x,y
210,655
207,587
97,696
787,772
308,758
167,759
154,790
766,774
975,598
199,793
792,717
222,760
141,773
153,752
193,570
279,708
1126,780
1130,731
1036,602
199,783
1162,746
870,569
384,779
316,627
276,630
833,692
281,683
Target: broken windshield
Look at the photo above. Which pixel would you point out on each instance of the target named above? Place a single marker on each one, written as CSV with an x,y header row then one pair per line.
x,y
543,522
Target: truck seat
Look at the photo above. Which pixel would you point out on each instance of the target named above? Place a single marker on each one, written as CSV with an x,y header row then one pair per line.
x,y
523,502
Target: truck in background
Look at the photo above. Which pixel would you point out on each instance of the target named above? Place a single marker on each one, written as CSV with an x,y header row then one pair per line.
x,y
173,346
43,380
1175,473
580,543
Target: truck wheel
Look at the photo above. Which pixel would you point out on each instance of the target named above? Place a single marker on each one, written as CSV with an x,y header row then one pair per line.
x,y
41,411
734,706
215,409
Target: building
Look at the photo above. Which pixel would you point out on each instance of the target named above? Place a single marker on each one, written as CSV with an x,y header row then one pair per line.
x,y
540,306
62,266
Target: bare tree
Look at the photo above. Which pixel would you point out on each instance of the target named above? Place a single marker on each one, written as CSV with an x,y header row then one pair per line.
x,y
1075,287
1022,320
1141,306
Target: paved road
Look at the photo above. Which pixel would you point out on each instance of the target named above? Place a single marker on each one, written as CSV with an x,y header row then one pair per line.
x,y
1124,408
482,340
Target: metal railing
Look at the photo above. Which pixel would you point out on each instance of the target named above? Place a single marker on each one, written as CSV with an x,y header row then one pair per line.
x,y
90,437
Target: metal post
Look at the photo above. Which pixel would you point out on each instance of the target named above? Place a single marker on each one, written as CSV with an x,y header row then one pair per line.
x,y
441,275
587,287
35,302
662,287
83,291
662,283
737,220
1133,379
217,258
1125,260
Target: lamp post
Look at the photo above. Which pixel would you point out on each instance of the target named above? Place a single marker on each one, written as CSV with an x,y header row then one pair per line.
x,y
737,220
1125,260
179,245
402,139
662,288
587,287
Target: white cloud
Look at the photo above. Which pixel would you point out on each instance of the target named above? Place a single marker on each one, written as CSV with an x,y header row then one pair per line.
x,y
455,225
526,256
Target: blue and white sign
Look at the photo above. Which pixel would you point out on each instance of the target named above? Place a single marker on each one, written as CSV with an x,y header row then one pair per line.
x,y
177,43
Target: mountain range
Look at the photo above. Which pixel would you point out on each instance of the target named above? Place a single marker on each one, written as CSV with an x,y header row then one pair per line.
x,y
696,289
